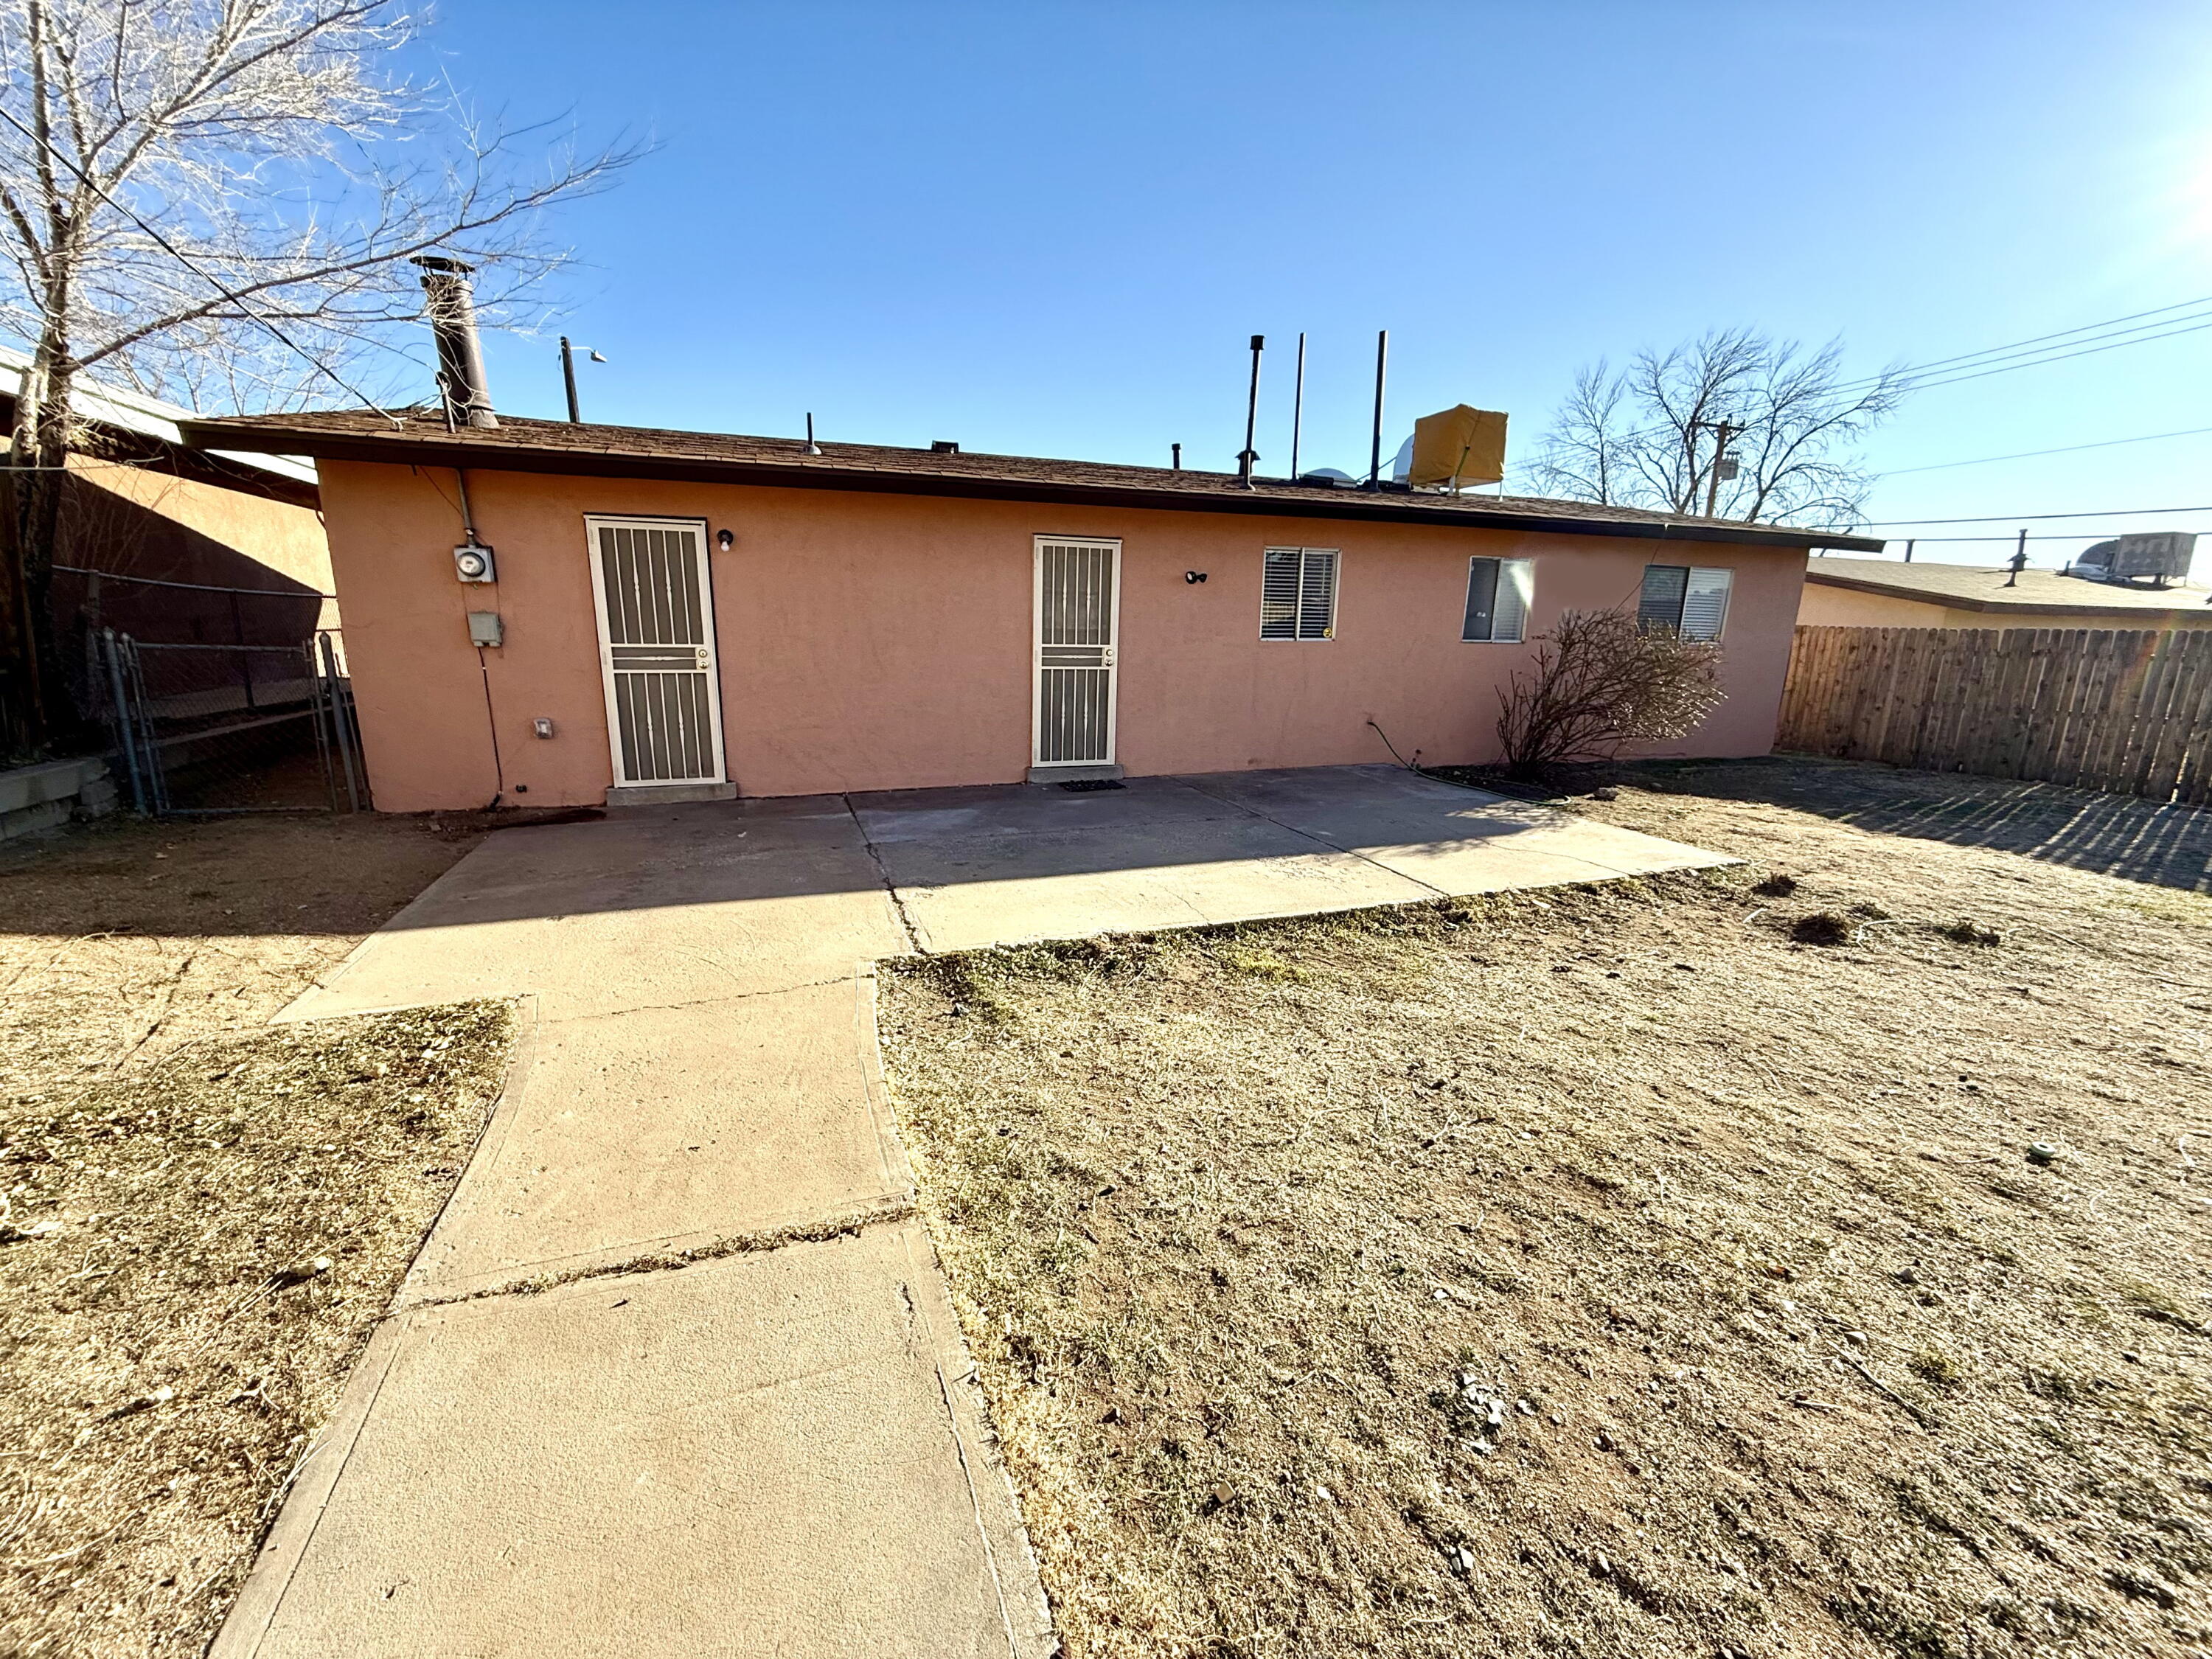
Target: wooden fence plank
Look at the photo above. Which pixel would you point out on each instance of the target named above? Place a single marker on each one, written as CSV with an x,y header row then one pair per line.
x,y
2192,763
2081,716
2162,692
2051,711
2082,643
2161,758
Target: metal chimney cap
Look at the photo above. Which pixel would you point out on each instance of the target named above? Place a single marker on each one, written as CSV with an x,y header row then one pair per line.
x,y
438,261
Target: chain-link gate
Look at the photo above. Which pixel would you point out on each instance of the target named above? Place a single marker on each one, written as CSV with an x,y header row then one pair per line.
x,y
204,729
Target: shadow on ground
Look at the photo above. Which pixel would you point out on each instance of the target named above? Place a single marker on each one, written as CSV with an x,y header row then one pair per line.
x,y
2150,842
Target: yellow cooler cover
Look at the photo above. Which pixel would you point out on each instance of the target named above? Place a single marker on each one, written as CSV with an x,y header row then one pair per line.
x,y
1458,447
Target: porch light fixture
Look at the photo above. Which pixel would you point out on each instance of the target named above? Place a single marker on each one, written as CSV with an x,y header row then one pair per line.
x,y
1193,577
724,539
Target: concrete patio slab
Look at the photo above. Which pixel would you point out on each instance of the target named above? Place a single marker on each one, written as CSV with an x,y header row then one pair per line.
x,y
756,1455
963,891
771,1450
664,1129
592,918
1025,809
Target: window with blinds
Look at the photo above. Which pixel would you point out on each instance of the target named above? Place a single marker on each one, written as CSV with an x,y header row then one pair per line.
x,y
1498,593
1297,594
1694,601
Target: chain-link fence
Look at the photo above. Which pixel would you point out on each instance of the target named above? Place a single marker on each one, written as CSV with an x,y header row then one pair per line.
x,y
204,728
217,698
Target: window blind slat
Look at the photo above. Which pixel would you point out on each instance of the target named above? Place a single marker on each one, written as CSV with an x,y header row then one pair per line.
x,y
1317,595
1704,603
1516,591
1278,594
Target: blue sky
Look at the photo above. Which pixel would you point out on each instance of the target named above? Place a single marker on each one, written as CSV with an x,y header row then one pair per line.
x,y
1050,228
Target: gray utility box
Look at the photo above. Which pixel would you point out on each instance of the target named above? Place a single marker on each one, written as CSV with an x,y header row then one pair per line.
x,y
2163,556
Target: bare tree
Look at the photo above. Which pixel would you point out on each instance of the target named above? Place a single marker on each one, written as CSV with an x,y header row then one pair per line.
x,y
231,188
1647,436
1599,682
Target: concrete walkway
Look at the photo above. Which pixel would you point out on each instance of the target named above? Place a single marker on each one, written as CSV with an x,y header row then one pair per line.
x,y
676,1373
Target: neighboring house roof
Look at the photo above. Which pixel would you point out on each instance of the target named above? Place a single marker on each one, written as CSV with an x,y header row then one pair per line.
x,y
127,410
528,445
1973,587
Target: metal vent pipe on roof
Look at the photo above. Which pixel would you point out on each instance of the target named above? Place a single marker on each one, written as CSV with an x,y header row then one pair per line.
x,y
452,306
1248,455
1375,452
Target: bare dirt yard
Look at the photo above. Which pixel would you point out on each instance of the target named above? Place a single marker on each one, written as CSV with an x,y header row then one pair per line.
x,y
201,1217
1614,1271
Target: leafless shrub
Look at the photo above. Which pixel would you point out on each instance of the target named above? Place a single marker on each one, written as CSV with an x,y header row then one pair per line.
x,y
1601,682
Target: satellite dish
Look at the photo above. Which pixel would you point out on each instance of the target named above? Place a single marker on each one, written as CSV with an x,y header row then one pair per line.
x,y
1403,466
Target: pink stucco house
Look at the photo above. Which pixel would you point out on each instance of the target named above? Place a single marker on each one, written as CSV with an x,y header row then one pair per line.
x,y
549,614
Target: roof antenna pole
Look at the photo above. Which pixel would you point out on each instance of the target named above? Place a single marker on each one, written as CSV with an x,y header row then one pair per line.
x,y
1176,451
569,380
1375,451
1298,406
1910,544
1248,455
812,448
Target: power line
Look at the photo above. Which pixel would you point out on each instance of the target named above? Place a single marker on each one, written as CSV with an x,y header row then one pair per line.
x,y
192,265
2065,356
2030,518
2061,334
2057,536
2059,342
2030,454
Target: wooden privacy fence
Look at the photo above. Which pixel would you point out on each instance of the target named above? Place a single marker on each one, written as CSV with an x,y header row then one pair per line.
x,y
2129,712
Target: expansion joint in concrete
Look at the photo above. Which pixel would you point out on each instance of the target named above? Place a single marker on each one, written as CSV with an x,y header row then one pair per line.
x,y
883,875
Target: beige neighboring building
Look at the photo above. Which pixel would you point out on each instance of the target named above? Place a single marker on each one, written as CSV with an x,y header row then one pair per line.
x,y
1886,593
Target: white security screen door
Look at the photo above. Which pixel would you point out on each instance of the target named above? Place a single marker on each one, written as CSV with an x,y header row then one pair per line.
x,y
657,648
1078,597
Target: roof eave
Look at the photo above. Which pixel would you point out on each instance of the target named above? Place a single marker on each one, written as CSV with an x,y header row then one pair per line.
x,y
1356,505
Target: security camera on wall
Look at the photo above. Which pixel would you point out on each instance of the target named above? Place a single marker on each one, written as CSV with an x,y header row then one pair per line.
x,y
473,564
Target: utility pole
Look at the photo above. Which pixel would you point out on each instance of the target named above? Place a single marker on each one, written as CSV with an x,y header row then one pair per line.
x,y
1723,431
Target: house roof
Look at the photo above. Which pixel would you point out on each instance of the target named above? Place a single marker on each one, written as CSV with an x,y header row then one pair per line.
x,y
125,411
529,446
1973,587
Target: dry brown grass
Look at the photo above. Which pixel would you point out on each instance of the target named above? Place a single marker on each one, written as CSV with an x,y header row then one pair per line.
x,y
1794,1348
171,1169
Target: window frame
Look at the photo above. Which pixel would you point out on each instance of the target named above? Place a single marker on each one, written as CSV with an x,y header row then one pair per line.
x,y
1527,604
1690,574
1298,633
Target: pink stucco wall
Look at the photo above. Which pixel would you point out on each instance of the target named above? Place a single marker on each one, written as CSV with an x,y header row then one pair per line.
x,y
883,642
